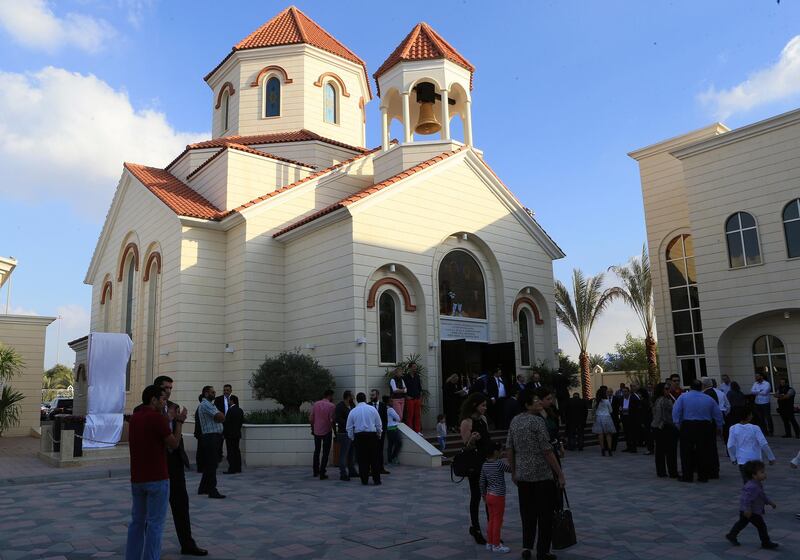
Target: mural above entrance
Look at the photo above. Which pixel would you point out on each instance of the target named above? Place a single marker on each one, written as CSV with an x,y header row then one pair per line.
x,y
462,292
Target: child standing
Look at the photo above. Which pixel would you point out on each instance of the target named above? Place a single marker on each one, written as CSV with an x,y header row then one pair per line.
x,y
441,432
751,505
493,489
746,442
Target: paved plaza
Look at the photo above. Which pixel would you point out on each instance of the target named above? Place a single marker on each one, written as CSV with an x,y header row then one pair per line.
x,y
621,511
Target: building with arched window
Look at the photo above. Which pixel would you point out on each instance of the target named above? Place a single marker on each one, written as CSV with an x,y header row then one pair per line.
x,y
284,231
723,227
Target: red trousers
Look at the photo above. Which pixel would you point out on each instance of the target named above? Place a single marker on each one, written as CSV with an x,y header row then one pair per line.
x,y
413,414
497,508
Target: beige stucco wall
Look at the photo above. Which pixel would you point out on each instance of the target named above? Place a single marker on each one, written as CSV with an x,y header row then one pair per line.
x,y
26,335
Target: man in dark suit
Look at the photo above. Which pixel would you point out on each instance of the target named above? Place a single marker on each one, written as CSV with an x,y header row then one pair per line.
x,y
535,382
561,389
712,458
380,406
232,432
177,461
616,414
223,402
576,412
498,389
629,410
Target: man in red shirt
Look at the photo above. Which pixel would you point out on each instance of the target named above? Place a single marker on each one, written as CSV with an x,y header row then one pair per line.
x,y
149,437
322,423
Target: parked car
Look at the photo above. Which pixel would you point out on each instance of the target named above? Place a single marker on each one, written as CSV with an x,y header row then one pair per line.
x,y
60,405
44,410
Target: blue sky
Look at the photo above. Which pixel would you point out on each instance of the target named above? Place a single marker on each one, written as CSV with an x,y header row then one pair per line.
x,y
563,90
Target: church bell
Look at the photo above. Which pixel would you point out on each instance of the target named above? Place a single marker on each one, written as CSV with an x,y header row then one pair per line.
x,y
426,123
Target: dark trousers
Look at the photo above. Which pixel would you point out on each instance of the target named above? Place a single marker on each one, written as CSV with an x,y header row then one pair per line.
x,y
475,499
789,421
666,440
367,456
758,523
562,409
394,445
234,454
763,410
537,502
347,465
323,443
209,458
179,499
631,426
694,437
575,436
380,447
712,456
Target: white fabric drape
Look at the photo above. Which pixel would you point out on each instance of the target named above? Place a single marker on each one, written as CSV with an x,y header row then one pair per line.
x,y
108,355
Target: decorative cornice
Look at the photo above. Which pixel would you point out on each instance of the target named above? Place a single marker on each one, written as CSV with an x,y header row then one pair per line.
x,y
154,256
390,282
529,301
335,78
226,86
129,247
267,69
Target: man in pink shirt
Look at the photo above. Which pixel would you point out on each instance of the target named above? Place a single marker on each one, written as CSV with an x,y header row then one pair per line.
x,y
322,429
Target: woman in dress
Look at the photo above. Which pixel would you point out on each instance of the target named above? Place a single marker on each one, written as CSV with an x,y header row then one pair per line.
x,y
537,474
665,433
475,435
603,424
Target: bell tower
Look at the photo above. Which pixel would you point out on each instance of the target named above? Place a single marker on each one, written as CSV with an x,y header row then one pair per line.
x,y
424,84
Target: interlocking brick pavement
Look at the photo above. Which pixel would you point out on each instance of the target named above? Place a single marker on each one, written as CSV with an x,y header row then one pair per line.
x,y
621,509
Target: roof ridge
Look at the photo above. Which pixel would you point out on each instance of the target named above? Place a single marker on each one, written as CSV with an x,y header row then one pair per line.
x,y
293,11
434,38
174,193
249,150
367,191
410,39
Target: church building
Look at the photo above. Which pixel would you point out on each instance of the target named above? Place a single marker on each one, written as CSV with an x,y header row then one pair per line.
x,y
285,231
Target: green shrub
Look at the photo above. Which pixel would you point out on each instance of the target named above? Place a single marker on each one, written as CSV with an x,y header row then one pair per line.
x,y
291,378
276,417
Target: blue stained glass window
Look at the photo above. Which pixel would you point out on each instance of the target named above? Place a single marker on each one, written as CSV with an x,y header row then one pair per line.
x,y
330,104
273,98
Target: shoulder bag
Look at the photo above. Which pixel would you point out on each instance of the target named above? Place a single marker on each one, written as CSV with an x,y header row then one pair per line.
x,y
563,526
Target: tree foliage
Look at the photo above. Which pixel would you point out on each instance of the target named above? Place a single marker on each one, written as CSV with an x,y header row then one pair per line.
x,y
58,377
578,312
566,366
599,360
11,364
629,355
291,378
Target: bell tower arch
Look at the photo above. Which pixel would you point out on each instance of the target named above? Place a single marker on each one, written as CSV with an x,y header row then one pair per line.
x,y
423,84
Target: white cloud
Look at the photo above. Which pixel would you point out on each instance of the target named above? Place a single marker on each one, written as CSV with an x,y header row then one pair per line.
x,y
65,135
136,10
776,82
19,310
74,317
33,24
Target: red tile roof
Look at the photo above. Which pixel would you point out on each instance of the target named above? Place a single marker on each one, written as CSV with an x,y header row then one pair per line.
x,y
301,135
291,27
181,198
243,148
423,43
368,191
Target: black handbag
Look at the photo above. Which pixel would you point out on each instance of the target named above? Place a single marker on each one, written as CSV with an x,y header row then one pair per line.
x,y
465,463
563,526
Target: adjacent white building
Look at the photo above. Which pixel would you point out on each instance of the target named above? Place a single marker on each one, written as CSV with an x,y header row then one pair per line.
x,y
284,231
723,227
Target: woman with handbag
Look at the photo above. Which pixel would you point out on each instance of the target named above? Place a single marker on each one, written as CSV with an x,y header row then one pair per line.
x,y
477,445
536,472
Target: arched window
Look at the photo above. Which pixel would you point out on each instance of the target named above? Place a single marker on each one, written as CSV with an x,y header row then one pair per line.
x,y
791,228
152,277
226,105
387,312
741,234
525,338
331,112
127,309
769,358
462,292
685,303
105,305
272,97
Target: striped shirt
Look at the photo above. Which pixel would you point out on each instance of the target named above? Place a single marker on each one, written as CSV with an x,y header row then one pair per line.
x,y
493,478
205,413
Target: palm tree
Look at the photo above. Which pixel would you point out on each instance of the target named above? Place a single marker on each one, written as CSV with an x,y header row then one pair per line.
x,y
579,317
11,364
637,292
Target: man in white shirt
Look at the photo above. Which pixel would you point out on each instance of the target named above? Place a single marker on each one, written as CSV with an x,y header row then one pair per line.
x,y
746,443
724,404
364,428
763,392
